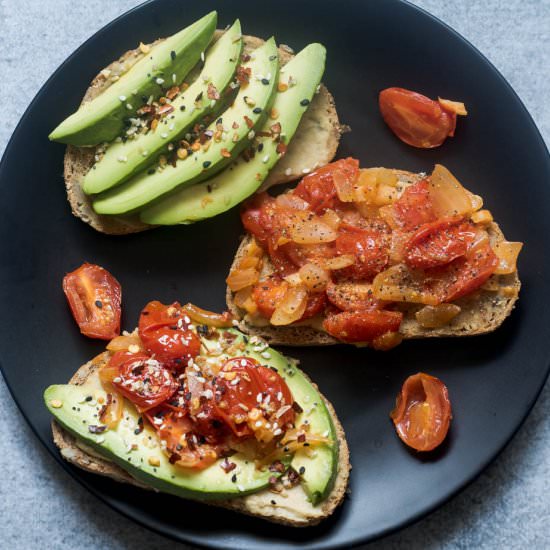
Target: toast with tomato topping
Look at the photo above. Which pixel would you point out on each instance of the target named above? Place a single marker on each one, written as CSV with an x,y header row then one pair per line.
x,y
284,505
314,144
471,313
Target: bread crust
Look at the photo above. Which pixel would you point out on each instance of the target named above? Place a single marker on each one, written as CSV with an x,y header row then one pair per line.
x,y
85,458
482,312
314,144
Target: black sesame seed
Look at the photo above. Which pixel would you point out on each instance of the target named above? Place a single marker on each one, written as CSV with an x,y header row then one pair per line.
x,y
182,108
151,171
260,147
265,81
273,503
206,164
98,304
304,102
302,470
257,110
173,55
88,398
234,478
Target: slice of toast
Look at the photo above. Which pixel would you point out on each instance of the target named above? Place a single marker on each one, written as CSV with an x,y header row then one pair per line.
x,y
286,511
314,144
482,312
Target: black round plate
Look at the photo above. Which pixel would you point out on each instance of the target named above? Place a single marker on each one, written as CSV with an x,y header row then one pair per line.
x,y
493,380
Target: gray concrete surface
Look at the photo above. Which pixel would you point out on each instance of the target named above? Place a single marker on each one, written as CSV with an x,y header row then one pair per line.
x,y
40,506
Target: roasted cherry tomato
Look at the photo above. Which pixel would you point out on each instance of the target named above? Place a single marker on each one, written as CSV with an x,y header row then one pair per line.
x,y
183,445
362,326
422,413
94,296
257,387
416,119
139,378
414,207
369,248
439,243
269,293
164,331
465,274
318,187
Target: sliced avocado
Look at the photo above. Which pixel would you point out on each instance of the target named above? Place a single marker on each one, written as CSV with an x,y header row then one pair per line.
x,y
102,119
124,159
241,179
228,136
76,409
147,462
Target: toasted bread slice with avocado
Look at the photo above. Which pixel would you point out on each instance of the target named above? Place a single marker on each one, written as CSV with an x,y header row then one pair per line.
x,y
314,144
291,507
482,312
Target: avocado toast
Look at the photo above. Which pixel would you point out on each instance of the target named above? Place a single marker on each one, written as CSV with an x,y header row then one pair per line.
x,y
314,143
298,479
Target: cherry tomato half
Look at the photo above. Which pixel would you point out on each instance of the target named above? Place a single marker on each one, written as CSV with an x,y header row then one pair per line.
x,y
142,380
439,243
414,207
422,413
362,326
165,334
416,119
94,297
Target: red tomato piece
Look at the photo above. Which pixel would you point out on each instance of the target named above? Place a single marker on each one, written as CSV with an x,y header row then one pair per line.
x,y
466,274
422,413
139,378
369,248
165,334
183,445
414,207
416,119
439,243
94,297
318,187
257,216
362,326
256,387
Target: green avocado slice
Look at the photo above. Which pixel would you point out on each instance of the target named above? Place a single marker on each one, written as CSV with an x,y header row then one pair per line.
x,y
230,135
124,159
102,119
76,407
241,179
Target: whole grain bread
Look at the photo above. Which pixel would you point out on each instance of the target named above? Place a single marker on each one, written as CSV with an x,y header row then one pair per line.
x,y
481,312
258,505
314,144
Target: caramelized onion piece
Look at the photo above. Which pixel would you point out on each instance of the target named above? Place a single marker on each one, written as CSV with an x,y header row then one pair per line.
x,y
437,316
312,231
482,217
292,306
507,253
242,278
399,284
123,343
204,317
448,196
338,262
314,277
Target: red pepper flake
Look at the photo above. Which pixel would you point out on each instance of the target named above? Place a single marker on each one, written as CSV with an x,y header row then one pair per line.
x,y
235,125
212,92
249,122
276,128
277,466
301,438
174,457
227,466
225,153
296,407
245,57
281,148
165,110
146,109
263,134
173,92
243,74
258,176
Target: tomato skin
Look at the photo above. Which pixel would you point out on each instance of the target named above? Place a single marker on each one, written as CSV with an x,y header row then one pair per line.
x,y
255,216
362,326
466,274
422,413
416,119
318,187
439,243
369,248
165,334
414,207
156,383
94,297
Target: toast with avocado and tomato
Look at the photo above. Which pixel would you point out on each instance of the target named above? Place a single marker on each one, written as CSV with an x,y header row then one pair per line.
x,y
157,141
189,405
371,257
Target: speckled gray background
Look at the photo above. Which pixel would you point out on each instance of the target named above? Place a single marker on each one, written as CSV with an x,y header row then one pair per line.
x,y
508,507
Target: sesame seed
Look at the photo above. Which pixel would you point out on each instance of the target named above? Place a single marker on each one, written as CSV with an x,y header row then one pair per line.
x,y
122,159
206,164
251,134
129,106
265,81
306,171
288,172
164,135
56,403
257,110
122,97
304,102
265,159
159,81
